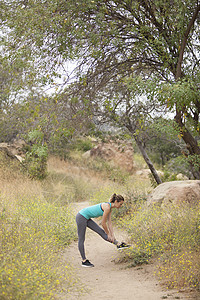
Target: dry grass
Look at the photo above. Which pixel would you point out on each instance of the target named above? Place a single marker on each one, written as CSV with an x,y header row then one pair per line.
x,y
172,236
36,222
82,182
32,233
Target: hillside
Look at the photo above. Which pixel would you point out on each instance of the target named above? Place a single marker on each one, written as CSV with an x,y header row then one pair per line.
x,y
37,225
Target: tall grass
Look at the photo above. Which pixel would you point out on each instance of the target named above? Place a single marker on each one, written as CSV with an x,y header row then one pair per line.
x,y
83,180
105,169
36,223
172,236
32,234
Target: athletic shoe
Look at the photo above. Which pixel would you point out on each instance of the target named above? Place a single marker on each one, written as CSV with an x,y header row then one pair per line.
x,y
87,264
123,246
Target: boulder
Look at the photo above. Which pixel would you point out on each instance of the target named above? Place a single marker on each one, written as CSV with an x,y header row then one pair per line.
x,y
14,150
175,192
119,155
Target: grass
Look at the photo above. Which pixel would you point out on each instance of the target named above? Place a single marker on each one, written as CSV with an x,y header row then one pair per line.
x,y
33,232
171,235
36,222
105,169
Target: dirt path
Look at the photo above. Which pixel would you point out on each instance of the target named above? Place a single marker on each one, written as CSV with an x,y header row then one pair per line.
x,y
111,280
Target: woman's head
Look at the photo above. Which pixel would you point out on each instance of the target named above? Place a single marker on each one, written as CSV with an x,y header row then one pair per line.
x,y
117,198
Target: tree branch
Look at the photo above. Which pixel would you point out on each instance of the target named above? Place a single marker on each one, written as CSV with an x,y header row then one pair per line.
x,y
184,41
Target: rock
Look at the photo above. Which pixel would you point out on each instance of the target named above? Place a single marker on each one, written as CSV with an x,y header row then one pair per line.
x,y
14,150
119,155
176,192
180,176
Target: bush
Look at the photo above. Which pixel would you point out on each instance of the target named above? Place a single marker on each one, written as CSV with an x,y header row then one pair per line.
x,y
83,144
178,165
32,233
167,176
172,235
131,203
36,156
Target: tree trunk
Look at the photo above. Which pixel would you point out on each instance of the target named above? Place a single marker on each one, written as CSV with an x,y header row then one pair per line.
x,y
190,142
147,160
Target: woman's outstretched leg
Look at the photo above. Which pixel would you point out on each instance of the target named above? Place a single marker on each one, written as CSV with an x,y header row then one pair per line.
x,y
95,227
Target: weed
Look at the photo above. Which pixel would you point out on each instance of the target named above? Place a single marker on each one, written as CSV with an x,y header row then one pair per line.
x,y
171,234
32,234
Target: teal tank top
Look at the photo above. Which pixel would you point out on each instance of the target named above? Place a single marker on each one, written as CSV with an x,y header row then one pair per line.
x,y
93,211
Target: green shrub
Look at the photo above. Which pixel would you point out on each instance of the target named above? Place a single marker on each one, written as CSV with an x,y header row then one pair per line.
x,y
167,233
131,203
36,156
178,165
83,144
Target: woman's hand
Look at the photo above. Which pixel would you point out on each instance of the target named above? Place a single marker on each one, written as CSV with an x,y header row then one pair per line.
x,y
107,217
111,238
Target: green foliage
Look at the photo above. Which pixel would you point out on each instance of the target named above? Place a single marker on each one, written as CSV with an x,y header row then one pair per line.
x,y
89,30
194,160
133,200
171,234
82,144
184,93
36,156
163,143
167,176
178,165
97,34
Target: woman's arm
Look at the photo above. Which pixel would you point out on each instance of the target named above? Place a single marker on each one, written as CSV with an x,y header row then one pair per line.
x,y
110,226
107,216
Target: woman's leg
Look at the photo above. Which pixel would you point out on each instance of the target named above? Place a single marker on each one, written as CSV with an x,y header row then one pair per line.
x,y
95,227
81,228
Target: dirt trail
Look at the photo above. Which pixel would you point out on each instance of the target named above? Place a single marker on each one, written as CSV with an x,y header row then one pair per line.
x,y
111,280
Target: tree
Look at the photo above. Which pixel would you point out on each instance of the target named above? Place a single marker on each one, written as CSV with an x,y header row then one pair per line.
x,y
163,143
115,39
123,106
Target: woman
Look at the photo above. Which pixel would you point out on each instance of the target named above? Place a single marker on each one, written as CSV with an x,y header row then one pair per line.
x,y
83,220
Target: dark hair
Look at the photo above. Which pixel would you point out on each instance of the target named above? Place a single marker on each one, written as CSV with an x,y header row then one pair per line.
x,y
115,197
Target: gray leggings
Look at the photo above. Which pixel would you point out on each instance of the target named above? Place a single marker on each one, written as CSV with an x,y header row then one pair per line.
x,y
82,223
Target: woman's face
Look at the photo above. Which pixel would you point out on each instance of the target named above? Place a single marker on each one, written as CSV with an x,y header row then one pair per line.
x,y
118,204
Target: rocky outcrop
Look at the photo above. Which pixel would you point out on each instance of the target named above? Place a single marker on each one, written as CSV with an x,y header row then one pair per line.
x,y
176,192
14,150
119,155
